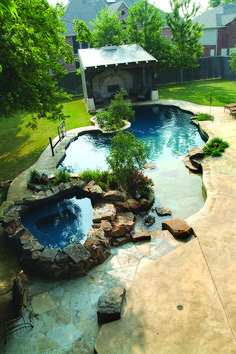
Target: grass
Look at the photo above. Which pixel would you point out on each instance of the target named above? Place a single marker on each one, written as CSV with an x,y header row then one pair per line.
x,y
20,147
222,91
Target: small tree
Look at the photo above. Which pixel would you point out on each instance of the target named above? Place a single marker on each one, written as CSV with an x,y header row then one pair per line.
x,y
144,27
127,157
185,35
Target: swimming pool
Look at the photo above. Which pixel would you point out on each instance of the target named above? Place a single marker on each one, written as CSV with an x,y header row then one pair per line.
x,y
60,223
170,134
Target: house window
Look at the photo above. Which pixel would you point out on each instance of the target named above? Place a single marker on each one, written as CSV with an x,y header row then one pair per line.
x,y
212,52
232,50
122,12
223,52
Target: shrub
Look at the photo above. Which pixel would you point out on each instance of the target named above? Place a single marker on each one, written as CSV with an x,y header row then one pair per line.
x,y
127,155
113,182
215,147
94,175
35,177
62,177
204,116
140,185
118,111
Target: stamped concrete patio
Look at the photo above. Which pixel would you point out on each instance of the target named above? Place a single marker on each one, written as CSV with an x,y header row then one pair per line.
x,y
183,302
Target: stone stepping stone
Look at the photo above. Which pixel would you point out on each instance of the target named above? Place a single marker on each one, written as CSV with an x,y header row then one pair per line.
x,y
141,236
110,305
178,228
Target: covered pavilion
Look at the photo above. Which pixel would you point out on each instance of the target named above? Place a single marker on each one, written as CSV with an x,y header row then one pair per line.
x,y
106,70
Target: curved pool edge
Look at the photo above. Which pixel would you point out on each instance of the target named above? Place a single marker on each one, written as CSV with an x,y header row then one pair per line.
x,y
199,276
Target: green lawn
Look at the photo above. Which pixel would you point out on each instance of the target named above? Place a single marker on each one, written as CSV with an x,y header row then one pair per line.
x,y
222,91
20,146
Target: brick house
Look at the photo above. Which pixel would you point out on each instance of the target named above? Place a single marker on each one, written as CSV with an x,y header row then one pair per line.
x,y
86,10
219,32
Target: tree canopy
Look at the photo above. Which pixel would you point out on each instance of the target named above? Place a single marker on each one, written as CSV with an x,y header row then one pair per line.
x,y
107,29
186,34
144,26
215,3
32,47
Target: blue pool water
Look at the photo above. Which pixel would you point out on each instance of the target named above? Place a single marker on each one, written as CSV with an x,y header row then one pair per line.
x,y
168,131
170,134
60,223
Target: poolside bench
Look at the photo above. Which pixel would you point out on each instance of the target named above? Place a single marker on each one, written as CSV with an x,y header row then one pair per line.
x,y
231,107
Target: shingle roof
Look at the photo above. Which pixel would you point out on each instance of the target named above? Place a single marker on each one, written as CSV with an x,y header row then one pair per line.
x,y
111,55
220,16
86,10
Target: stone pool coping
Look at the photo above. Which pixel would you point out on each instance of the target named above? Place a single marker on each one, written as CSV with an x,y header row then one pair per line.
x,y
199,276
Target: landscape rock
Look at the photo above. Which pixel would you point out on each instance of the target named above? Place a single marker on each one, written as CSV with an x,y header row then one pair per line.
x,y
104,212
178,228
95,190
77,252
193,159
110,305
149,166
149,220
120,241
163,211
113,196
141,236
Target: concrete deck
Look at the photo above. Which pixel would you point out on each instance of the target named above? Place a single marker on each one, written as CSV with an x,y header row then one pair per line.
x,y
183,302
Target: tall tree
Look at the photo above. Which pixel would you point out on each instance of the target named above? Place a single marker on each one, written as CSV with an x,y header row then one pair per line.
x,y
107,29
232,61
215,3
9,6
186,49
32,46
84,35
144,27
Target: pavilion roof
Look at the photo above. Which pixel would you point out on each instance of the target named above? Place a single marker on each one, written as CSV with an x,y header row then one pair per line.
x,y
114,55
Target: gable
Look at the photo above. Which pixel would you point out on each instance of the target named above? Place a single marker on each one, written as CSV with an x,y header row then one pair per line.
x,y
218,17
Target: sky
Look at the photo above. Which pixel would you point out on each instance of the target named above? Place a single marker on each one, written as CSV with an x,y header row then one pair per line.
x,y
164,5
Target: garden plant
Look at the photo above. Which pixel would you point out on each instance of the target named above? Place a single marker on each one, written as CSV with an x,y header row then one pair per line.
x,y
117,113
215,147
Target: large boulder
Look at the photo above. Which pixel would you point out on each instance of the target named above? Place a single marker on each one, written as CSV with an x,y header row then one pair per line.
x,y
122,225
193,159
110,305
97,245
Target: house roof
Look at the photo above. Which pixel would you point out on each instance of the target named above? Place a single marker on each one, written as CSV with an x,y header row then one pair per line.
x,y
113,55
85,10
115,6
220,16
